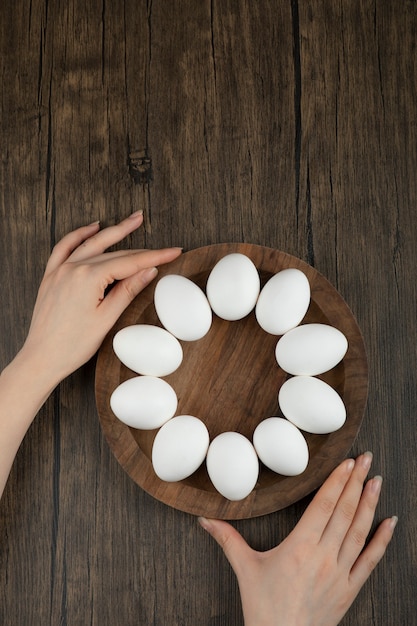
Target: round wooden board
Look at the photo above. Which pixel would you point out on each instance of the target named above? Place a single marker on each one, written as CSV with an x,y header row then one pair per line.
x,y
230,380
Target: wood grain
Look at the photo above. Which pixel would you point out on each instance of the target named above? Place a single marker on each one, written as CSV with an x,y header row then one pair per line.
x,y
230,380
291,125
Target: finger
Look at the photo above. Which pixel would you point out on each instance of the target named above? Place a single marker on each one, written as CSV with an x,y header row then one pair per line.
x,y
321,508
125,292
230,540
121,267
63,249
373,553
107,237
347,505
361,525
106,256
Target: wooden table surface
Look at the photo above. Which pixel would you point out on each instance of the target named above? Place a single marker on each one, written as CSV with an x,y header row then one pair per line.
x,y
287,124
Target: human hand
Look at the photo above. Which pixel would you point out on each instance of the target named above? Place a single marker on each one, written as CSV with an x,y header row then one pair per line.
x,y
315,574
72,314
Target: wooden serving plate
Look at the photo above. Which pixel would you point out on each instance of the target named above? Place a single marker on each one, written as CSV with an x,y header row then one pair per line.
x,y
230,380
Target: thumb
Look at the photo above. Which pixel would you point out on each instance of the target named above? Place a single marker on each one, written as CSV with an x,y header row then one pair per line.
x,y
126,290
230,540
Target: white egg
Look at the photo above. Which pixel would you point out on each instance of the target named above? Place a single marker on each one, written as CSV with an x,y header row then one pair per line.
x,y
312,405
182,307
311,349
232,465
179,448
283,301
148,349
281,446
144,402
233,286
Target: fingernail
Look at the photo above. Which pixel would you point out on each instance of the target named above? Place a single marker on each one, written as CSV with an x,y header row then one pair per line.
x,y
350,463
95,223
376,484
136,214
367,459
393,522
204,523
149,274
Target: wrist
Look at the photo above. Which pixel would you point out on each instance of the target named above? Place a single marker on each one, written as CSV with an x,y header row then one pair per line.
x,y
24,387
29,373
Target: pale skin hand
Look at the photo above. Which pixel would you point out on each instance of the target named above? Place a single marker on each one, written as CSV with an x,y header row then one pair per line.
x,y
314,575
71,314
71,317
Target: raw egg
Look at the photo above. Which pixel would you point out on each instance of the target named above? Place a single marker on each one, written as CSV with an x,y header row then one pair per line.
x,y
312,405
179,448
232,465
233,286
283,301
281,446
182,307
311,349
144,402
147,349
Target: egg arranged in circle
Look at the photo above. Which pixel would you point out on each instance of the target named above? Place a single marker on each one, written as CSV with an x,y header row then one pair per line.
x,y
312,405
179,448
281,446
311,349
232,465
283,301
149,350
182,307
144,402
233,286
